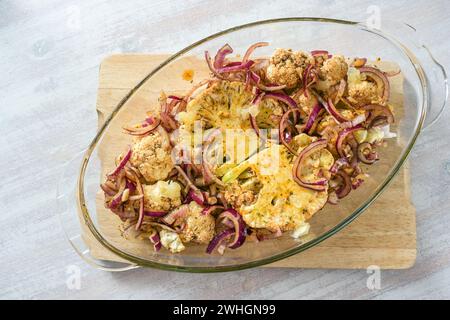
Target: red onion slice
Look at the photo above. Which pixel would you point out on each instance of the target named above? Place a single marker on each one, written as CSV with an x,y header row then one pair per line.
x,y
175,98
346,186
155,239
319,185
252,48
342,136
117,199
319,52
377,110
312,117
219,59
282,97
144,130
207,170
366,154
380,78
341,91
257,80
107,190
331,109
283,126
239,67
141,206
121,165
154,214
175,214
218,239
197,196
211,67
239,227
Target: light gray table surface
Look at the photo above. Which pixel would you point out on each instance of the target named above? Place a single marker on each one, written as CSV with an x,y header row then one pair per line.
x,y
49,57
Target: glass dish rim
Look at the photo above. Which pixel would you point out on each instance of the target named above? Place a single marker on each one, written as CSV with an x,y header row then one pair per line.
x,y
282,255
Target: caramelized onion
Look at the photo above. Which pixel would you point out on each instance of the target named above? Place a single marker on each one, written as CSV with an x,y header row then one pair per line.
x,y
319,185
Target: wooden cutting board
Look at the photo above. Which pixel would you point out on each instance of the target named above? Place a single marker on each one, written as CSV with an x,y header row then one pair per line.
x,y
384,235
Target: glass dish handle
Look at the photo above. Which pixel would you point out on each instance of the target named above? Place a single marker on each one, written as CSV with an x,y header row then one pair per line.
x,y
71,221
438,88
433,73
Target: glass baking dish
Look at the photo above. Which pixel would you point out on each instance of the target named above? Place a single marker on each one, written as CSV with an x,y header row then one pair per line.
x,y
424,96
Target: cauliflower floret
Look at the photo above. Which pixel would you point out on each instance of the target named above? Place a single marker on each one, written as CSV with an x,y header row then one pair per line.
x,y
171,241
331,73
151,156
306,102
286,67
334,69
280,204
162,196
237,196
363,93
198,227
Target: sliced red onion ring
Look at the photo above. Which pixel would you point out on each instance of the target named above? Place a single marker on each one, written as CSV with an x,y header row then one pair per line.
x,y
319,52
154,238
284,125
257,80
252,48
282,97
219,59
342,136
331,109
117,199
207,170
211,67
121,165
175,98
240,67
341,91
175,214
107,190
131,185
239,227
141,206
154,214
144,130
186,178
312,117
197,196
376,111
309,77
366,154
380,78
319,185
346,186
218,239
254,124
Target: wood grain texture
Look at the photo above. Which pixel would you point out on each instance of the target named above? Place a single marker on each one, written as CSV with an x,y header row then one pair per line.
x,y
51,51
385,235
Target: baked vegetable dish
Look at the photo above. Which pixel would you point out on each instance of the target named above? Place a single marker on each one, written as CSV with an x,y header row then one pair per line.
x,y
252,152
